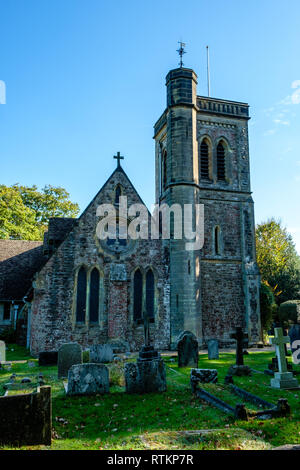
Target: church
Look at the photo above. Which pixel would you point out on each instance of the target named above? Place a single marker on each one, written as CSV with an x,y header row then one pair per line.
x,y
75,287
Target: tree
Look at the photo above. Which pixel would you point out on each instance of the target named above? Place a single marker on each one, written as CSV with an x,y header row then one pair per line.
x,y
17,221
278,260
26,210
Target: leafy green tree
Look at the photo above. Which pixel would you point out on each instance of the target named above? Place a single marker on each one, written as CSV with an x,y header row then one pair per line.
x,y
278,260
17,221
25,211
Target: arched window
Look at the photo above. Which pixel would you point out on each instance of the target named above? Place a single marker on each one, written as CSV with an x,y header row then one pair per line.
x,y
164,170
221,170
150,294
94,296
217,240
81,296
137,296
204,160
118,193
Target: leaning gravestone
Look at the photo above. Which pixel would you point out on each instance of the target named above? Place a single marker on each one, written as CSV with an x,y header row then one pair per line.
x,y
187,347
88,379
2,352
68,355
213,349
101,353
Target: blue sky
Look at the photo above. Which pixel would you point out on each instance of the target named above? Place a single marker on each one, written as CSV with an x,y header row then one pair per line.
x,y
85,79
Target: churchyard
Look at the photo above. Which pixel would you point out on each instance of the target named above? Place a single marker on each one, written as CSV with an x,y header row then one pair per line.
x,y
174,419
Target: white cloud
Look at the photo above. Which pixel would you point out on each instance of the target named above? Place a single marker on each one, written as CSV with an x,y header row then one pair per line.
x,y
296,84
270,132
280,121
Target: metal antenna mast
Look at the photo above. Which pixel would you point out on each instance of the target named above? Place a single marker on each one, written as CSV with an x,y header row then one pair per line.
x,y
208,72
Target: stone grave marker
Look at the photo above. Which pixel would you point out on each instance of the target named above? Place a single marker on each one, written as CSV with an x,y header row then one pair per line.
x,y
88,379
101,354
48,358
282,378
239,368
187,347
213,349
26,419
68,355
2,352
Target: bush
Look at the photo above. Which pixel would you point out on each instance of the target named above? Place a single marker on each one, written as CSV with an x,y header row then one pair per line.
x,y
290,311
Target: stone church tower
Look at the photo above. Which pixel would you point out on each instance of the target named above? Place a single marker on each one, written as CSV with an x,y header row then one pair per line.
x,y
75,286
202,157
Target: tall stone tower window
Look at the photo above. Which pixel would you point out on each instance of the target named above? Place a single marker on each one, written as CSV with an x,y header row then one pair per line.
x,y
137,296
81,295
94,296
217,240
204,159
150,294
221,162
164,170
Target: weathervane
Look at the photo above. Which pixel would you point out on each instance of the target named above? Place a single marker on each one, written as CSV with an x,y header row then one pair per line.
x,y
181,51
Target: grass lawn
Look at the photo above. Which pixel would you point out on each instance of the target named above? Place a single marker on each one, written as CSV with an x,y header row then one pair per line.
x,y
159,421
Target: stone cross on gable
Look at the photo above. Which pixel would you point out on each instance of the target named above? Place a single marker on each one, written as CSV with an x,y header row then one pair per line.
x,y
279,341
240,338
118,157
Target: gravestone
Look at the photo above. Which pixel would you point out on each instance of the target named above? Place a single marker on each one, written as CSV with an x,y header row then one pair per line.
x,y
2,352
101,353
294,334
88,379
282,379
239,368
68,355
187,347
213,349
48,358
26,419
148,374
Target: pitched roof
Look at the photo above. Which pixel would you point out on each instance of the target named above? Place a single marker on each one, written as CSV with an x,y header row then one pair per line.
x,y
19,261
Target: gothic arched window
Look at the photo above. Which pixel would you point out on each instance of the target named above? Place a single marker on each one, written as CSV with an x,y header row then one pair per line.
x,y
204,159
164,170
94,296
150,294
81,296
137,296
118,193
221,169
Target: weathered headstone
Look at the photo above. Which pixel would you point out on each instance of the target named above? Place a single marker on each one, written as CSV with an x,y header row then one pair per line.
x,y
213,349
187,347
283,378
240,338
68,355
2,352
145,376
101,353
26,419
88,379
239,368
48,358
294,334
